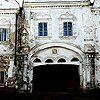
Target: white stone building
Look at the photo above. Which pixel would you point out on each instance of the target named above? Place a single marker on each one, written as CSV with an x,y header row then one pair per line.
x,y
63,32
8,12
60,33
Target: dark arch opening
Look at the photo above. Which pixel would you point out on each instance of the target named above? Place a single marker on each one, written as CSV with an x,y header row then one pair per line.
x,y
37,60
56,78
74,59
61,60
49,61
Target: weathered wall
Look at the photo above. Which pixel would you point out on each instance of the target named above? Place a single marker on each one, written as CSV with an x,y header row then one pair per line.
x,y
85,31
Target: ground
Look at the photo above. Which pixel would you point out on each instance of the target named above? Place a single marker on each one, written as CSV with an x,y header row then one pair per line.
x,y
13,94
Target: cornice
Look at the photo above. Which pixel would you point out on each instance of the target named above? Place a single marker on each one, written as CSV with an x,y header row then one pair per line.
x,y
96,11
8,11
56,4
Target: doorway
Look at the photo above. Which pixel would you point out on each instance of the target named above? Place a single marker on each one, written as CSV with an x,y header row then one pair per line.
x,y
56,78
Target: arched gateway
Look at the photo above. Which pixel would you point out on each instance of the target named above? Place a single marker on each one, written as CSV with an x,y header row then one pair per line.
x,y
56,76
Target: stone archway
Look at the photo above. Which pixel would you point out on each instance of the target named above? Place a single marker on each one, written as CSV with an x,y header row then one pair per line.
x,y
64,51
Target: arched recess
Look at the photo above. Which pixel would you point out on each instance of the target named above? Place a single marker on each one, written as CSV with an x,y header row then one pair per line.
x,y
49,61
37,60
33,50
61,60
73,48
74,59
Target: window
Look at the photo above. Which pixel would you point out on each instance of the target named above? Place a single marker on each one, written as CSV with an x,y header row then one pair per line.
x,y
3,34
74,59
49,61
61,60
1,77
67,28
37,60
42,29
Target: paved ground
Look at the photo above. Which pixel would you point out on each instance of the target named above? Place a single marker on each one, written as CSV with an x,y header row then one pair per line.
x,y
14,95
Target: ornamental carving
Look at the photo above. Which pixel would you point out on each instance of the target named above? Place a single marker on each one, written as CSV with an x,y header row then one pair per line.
x,y
6,22
42,16
90,33
89,48
25,38
67,16
4,61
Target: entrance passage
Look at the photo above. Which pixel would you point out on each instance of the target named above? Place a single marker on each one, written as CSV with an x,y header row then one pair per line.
x,y
56,78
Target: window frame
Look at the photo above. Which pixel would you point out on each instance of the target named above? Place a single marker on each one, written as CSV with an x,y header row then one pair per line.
x,y
66,29
42,31
67,17
4,36
40,18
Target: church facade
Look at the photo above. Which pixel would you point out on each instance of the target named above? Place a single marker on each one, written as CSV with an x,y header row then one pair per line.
x,y
61,34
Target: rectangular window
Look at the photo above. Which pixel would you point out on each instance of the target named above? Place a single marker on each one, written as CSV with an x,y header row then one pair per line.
x,y
42,29
3,34
1,77
67,28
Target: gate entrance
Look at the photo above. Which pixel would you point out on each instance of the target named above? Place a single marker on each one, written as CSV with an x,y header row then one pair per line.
x,y
56,78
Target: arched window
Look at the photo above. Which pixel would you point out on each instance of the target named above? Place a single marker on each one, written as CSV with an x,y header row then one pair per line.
x,y
74,59
61,60
49,61
37,60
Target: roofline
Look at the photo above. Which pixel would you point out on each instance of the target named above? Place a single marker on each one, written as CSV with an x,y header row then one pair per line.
x,y
56,4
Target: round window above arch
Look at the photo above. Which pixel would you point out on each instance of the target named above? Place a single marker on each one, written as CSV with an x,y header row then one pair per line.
x,y
61,60
37,60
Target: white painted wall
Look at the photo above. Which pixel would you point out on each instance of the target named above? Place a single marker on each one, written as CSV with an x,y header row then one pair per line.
x,y
86,26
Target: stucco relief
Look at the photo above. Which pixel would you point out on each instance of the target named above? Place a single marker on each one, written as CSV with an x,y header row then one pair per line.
x,y
11,40
4,62
5,22
25,37
90,33
67,16
56,53
96,11
42,16
38,18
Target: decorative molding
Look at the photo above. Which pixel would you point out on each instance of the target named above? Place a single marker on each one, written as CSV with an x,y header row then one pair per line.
x,y
96,11
68,37
90,33
56,4
33,50
67,16
4,61
4,22
54,51
42,17
89,48
8,11
43,37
